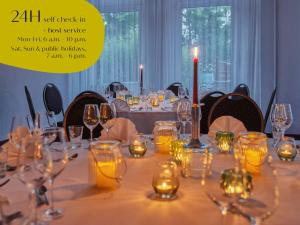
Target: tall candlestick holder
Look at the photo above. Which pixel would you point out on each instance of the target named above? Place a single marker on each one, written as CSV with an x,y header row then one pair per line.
x,y
196,117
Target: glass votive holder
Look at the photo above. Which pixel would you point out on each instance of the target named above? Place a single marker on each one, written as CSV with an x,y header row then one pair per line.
x,y
224,141
236,182
138,146
196,163
154,100
130,101
75,134
177,150
136,100
106,164
164,133
165,180
253,150
161,96
172,99
287,149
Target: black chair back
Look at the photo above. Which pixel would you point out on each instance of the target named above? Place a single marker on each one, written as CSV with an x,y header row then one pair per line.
x,y
242,89
174,88
269,107
74,114
30,104
208,100
88,92
240,107
52,99
114,85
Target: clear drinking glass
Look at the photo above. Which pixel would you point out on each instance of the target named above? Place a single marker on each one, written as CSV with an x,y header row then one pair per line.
x,y
181,92
54,139
35,166
75,133
91,117
19,129
107,113
184,114
281,118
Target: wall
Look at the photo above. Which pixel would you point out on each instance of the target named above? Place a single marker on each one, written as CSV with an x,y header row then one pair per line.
x,y
12,95
288,57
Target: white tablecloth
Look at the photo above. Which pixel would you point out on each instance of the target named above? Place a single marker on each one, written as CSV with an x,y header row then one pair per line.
x,y
129,204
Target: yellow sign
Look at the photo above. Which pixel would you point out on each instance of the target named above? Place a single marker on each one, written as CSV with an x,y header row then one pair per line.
x,y
55,36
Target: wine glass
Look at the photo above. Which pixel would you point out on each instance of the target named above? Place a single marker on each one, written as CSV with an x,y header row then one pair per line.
x,y
184,113
219,195
91,117
35,166
281,118
181,92
55,141
264,197
20,127
107,113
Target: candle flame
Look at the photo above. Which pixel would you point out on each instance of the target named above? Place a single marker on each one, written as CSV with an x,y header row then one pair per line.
x,y
141,66
195,52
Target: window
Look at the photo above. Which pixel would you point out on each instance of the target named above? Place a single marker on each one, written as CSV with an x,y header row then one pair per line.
x,y
208,28
119,60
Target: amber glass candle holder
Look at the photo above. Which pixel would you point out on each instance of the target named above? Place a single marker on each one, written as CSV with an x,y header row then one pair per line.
x,y
253,150
164,133
287,150
224,141
177,150
130,101
136,100
106,164
165,180
138,146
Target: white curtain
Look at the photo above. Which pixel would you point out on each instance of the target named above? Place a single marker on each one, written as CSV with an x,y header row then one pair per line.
x,y
163,33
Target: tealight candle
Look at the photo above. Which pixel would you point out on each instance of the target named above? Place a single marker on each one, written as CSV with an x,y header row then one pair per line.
x,y
130,101
165,180
172,99
224,141
136,100
287,150
154,101
137,148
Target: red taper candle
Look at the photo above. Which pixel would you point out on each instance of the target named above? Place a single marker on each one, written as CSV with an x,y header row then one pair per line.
x,y
195,85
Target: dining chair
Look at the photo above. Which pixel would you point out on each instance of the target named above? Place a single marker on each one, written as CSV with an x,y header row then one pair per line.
x,y
74,114
272,97
242,89
121,106
208,101
240,107
30,104
53,101
175,86
88,92
116,85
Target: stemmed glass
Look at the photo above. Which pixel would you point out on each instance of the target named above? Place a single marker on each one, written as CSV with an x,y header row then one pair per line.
x,y
107,113
281,119
55,141
181,92
184,113
264,197
35,166
91,117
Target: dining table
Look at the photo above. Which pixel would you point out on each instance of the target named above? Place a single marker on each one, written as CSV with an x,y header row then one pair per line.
x,y
131,203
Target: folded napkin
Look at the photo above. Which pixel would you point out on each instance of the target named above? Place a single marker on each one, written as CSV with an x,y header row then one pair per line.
x,y
122,129
10,149
121,106
226,123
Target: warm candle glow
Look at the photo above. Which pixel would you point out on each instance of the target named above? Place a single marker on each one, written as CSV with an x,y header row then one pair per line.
x,y
141,66
105,173
196,53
